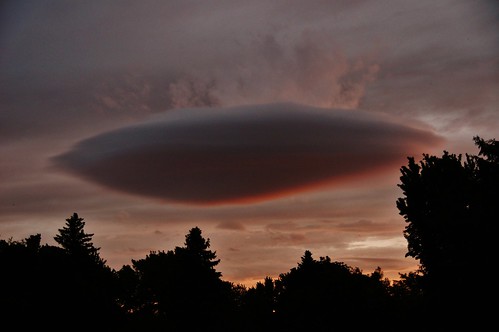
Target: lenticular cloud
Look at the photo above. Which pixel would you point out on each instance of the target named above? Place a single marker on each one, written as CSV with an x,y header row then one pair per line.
x,y
242,154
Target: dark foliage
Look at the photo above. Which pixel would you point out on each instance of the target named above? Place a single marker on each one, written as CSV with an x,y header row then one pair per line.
x,y
334,291
78,244
451,210
46,286
179,288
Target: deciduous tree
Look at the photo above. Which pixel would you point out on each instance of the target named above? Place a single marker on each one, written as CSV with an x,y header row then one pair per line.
x,y
451,208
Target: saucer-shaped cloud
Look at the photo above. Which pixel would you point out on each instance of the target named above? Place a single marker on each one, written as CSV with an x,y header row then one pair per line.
x,y
242,154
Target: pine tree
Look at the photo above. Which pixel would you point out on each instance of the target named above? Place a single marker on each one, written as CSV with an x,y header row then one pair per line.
x,y
76,242
198,246
307,260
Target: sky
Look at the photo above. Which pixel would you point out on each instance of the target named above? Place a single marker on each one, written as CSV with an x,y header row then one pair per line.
x,y
274,126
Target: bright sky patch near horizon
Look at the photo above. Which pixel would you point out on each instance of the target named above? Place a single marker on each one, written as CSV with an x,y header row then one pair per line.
x,y
275,126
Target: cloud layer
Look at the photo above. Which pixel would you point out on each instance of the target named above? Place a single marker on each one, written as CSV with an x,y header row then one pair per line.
x,y
242,154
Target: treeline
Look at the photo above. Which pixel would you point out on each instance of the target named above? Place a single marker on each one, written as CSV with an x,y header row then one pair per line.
x,y
451,209
181,290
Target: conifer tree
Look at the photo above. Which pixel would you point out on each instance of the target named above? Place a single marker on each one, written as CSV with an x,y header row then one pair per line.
x,y
78,244
198,246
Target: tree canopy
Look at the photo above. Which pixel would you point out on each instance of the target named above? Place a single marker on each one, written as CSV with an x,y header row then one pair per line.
x,y
450,208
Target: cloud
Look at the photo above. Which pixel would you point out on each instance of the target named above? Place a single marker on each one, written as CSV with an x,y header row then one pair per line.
x,y
241,154
191,92
231,225
135,59
309,68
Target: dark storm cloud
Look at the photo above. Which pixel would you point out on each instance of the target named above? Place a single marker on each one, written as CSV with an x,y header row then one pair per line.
x,y
241,154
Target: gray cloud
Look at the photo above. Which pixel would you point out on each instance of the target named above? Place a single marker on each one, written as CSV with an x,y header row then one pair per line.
x,y
414,60
245,153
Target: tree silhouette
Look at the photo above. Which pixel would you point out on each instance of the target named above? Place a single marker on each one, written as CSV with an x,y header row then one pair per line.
x,y
307,261
89,285
43,283
451,210
76,242
197,248
321,295
258,307
180,288
17,269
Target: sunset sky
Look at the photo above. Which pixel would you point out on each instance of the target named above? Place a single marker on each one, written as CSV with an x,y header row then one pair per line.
x,y
274,126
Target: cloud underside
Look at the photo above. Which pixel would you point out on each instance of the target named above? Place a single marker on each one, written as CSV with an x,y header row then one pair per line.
x,y
242,154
